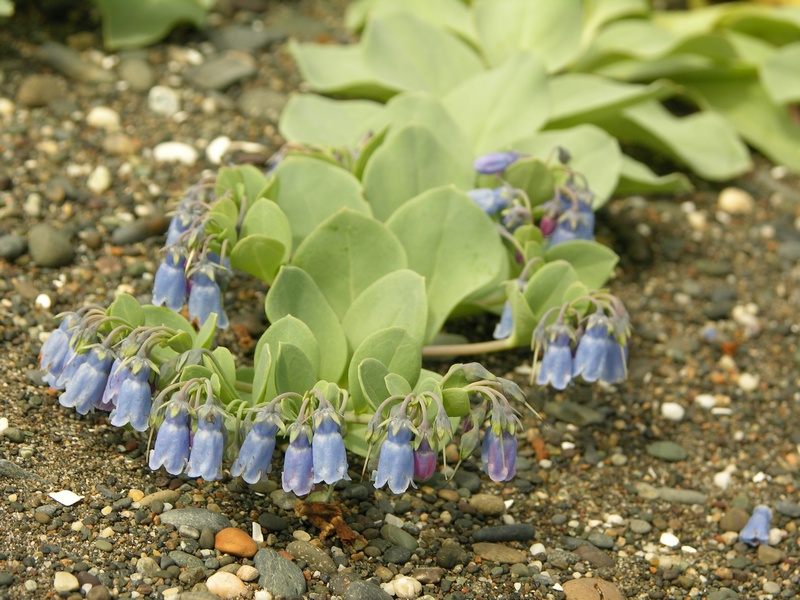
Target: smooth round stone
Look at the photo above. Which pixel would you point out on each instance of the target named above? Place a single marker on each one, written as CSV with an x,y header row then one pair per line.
x,y
667,451
669,539
196,517
397,555
226,585
407,587
451,554
672,411
488,504
236,542
365,590
601,540
724,594
519,532
682,496
272,522
247,573
103,117
49,247
734,519
137,73
12,246
317,558
398,537
771,587
586,589
163,100
790,509
279,576
639,526
735,201
175,152
769,555
65,582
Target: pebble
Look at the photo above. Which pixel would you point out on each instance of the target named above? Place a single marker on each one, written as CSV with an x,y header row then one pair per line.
x,y
39,90
206,538
748,382
272,522
216,150
365,590
165,496
69,62
769,555
499,553
735,201
561,559
669,539
137,73
574,412
163,100
279,576
505,533
244,38
196,517
592,555
222,71
98,592
103,117
234,541
398,537
65,582
226,585
396,555
49,247
682,496
706,401
99,180
247,573
667,451
734,519
12,246
451,554
601,540
489,505
771,587
672,411
407,587
586,588
640,526
724,594
790,509
316,558
261,103
175,152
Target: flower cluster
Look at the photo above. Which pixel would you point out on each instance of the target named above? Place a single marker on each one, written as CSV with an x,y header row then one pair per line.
x,y
190,270
594,348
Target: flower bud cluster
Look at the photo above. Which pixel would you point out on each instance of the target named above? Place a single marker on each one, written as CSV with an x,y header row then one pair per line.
x,y
190,271
593,347
569,216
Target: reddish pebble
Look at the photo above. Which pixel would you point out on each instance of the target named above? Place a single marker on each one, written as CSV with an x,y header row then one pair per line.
x,y
235,542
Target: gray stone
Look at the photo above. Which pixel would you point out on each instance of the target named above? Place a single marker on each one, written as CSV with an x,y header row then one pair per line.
x,y
284,500
451,554
682,496
137,72
734,519
789,250
196,517
12,246
365,590
223,71
790,509
468,480
561,559
397,555
13,471
49,247
39,90
397,537
339,583
130,233
488,505
520,532
572,412
601,540
316,558
185,560
666,450
69,62
594,556
499,553
639,526
147,567
246,39
262,103
272,522
279,576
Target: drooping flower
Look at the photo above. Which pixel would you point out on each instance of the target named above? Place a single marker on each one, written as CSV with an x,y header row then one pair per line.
x,y
55,352
298,463
575,223
396,461
171,449
85,387
505,327
495,162
330,457
108,400
132,399
594,348
205,298
499,455
255,455
205,457
556,368
756,530
169,287
424,460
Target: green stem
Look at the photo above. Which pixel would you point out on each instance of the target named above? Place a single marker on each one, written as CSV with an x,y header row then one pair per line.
x,y
241,386
465,349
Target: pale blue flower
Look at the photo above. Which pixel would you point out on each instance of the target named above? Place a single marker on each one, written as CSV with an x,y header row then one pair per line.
x,y
756,530
208,445
329,455
171,449
396,461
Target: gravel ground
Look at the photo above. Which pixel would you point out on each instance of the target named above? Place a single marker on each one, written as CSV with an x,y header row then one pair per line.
x,y
636,491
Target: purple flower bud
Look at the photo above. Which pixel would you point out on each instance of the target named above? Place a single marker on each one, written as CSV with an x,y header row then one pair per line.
x,y
330,457
505,327
86,387
556,368
255,455
499,455
205,298
396,462
574,224
424,461
171,449
205,458
169,287
548,225
298,463
756,530
495,162
132,399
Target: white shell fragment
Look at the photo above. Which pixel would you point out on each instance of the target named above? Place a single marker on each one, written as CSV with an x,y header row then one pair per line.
x,y
66,497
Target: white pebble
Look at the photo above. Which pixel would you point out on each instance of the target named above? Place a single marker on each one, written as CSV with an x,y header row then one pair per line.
x,y
99,180
226,585
163,100
748,382
103,117
697,220
407,587
723,479
729,538
66,497
3,424
43,301
508,520
669,539
735,201
391,519
706,401
65,582
776,536
217,148
258,534
6,107
301,535
175,152
264,594
672,411
538,548
546,463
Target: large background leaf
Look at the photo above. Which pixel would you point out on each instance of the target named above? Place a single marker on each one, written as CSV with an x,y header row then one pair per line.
x,y
313,119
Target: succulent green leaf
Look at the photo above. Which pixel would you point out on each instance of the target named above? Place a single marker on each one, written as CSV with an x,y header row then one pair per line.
x,y
397,385
410,162
593,262
205,337
545,290
780,74
404,52
421,108
495,108
532,176
258,255
637,178
347,253
144,22
295,293
313,119
452,243
368,148
266,218
355,439
293,369
396,299
262,371
596,13
371,389
155,316
524,319
126,308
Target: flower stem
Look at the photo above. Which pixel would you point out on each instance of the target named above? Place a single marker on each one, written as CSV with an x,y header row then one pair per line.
x,y
465,349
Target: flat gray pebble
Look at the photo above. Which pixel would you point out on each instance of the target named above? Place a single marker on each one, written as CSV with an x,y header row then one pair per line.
x,y
790,509
639,526
272,522
316,558
594,556
185,560
49,247
724,594
197,518
397,537
137,72
682,496
365,590
451,554
222,71
12,246
601,540
561,559
396,555
468,480
575,413
668,451
279,576
260,103
505,533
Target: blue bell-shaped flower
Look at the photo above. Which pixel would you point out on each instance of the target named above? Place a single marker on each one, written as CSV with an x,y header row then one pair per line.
x,y
255,455
208,445
169,287
133,398
396,461
298,463
556,368
330,457
171,449
86,387
499,455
